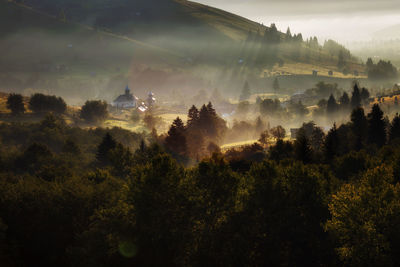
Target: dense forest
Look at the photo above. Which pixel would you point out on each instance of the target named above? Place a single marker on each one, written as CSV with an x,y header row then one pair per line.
x,y
109,197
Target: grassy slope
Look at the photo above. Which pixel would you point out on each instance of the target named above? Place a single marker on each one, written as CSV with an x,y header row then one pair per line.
x,y
110,42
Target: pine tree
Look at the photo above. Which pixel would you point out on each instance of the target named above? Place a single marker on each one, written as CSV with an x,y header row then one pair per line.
x,y
332,106
344,102
394,131
211,111
376,126
288,34
359,127
355,98
331,144
370,64
176,139
245,92
302,147
104,149
364,95
193,116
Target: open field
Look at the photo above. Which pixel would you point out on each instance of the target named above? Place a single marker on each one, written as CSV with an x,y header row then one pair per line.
x,y
307,69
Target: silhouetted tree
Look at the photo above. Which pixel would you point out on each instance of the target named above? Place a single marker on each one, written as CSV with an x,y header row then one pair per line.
x,y
355,98
264,136
278,132
40,103
331,144
176,139
332,105
302,147
394,130
15,104
364,95
376,126
193,116
344,102
359,127
105,147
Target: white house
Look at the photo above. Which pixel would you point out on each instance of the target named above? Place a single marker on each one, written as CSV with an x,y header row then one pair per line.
x,y
126,100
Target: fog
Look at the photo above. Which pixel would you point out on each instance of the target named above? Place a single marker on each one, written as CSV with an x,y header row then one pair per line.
x,y
342,20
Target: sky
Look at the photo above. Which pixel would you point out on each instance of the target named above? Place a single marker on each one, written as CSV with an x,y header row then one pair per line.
x,y
343,20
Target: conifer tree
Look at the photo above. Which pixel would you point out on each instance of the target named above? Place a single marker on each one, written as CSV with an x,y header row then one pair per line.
x,y
376,126
331,144
355,98
176,139
359,127
344,102
364,95
332,106
103,151
302,147
394,131
193,116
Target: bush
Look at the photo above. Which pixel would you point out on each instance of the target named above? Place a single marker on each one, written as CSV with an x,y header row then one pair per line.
x,y
94,111
40,103
15,104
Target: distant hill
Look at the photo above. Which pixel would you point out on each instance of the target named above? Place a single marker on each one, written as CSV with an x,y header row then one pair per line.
x,y
91,49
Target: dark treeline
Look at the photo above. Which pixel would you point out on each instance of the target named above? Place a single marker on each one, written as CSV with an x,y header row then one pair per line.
x,y
74,197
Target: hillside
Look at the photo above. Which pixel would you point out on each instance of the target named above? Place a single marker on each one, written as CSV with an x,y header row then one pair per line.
x,y
92,49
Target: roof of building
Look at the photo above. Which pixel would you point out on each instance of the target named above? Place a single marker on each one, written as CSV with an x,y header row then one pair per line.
x,y
126,98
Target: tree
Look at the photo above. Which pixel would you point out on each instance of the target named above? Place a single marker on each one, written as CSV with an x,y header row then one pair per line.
x,y
331,144
369,64
193,116
344,102
71,147
278,132
40,103
302,147
176,139
359,127
376,126
15,104
105,147
364,95
364,219
94,111
288,34
355,98
332,106
264,136
245,92
394,131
